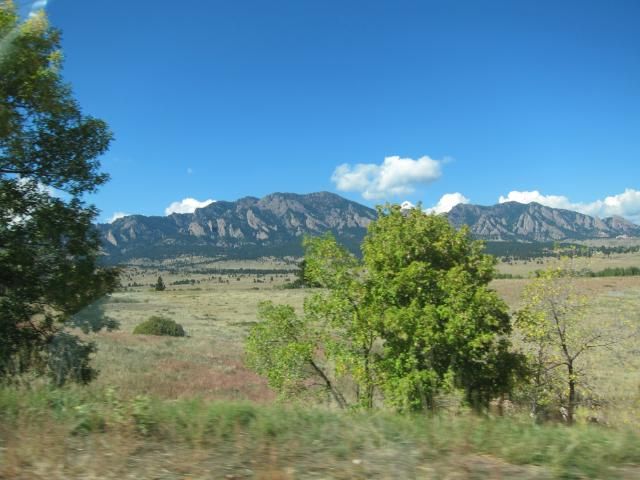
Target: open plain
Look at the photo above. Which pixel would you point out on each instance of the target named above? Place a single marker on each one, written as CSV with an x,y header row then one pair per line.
x,y
188,408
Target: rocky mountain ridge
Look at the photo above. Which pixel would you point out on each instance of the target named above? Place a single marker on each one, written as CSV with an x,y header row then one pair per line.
x,y
272,225
275,224
533,222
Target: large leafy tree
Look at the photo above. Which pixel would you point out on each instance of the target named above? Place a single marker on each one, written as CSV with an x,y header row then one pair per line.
x,y
442,326
413,319
48,246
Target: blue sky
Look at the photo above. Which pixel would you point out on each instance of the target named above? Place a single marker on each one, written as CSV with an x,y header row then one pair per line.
x,y
375,100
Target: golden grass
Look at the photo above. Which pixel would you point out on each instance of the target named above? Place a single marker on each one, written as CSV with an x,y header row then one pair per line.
x,y
596,263
207,363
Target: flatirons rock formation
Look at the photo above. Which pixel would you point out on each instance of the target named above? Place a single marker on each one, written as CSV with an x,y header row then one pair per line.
x,y
274,225
536,223
249,227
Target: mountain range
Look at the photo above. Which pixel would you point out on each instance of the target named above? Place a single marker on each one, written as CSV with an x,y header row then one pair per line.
x,y
247,228
275,224
533,222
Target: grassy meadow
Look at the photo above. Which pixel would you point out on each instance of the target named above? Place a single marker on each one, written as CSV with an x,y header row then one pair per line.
x,y
187,408
596,263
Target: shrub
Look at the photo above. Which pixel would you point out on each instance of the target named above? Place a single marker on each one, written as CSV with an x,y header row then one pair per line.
x,y
159,326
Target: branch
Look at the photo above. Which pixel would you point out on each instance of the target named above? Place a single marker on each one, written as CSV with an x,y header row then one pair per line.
x,y
588,345
339,398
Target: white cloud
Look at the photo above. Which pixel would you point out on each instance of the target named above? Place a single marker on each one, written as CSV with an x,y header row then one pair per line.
x,y
395,176
554,201
625,204
37,6
116,216
187,205
447,202
40,187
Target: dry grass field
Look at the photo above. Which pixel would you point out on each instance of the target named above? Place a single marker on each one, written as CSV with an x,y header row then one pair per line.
x,y
208,363
178,435
596,263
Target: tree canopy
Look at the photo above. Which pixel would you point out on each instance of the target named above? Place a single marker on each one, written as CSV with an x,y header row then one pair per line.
x,y
49,248
414,318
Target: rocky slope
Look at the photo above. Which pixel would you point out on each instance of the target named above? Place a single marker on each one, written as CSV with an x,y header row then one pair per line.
x,y
536,223
249,227
275,225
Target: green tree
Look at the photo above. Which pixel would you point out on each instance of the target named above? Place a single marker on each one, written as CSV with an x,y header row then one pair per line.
x,y
287,349
559,334
159,286
414,318
345,317
442,326
48,245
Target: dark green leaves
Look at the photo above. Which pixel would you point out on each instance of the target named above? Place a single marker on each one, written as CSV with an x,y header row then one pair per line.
x,y
49,278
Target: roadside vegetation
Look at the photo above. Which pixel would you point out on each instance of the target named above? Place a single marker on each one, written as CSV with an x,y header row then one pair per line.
x,y
82,434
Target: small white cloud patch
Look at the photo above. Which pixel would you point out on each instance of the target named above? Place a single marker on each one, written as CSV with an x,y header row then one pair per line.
x,y
187,205
395,176
625,204
116,216
37,6
447,202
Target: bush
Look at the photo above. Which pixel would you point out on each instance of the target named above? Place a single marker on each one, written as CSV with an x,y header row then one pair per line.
x,y
159,326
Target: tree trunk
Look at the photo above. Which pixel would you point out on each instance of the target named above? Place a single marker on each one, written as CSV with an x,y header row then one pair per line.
x,y
572,395
368,376
337,396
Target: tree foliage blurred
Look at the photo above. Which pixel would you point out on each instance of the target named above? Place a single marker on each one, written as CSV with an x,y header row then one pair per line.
x,y
48,246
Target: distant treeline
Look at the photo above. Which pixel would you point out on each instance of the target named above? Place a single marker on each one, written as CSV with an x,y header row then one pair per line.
x,y
505,250
235,271
506,276
607,272
248,251
188,281
513,251
613,272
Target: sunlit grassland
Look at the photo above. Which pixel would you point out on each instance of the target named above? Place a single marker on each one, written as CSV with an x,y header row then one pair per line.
x,y
595,263
177,408
208,363
613,374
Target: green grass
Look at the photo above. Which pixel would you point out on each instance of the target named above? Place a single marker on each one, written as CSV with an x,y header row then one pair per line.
x,y
337,444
